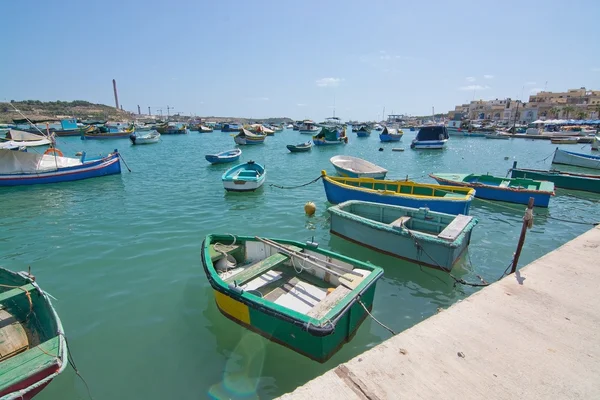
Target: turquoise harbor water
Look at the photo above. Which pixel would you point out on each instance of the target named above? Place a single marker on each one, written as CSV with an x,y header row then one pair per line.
x,y
122,256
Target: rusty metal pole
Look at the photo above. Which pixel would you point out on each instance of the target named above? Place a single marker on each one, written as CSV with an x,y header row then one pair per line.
x,y
526,224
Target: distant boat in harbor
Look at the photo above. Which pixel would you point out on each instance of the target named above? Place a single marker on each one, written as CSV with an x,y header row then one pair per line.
x,y
576,159
390,135
354,167
308,127
430,137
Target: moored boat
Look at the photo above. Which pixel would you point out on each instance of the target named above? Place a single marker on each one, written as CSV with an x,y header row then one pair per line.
x,y
33,346
572,140
419,235
204,129
430,137
446,199
24,139
28,168
390,135
246,137
149,138
93,133
172,128
354,167
561,179
496,135
231,127
576,159
308,127
362,130
300,148
299,295
244,177
511,190
224,156
330,135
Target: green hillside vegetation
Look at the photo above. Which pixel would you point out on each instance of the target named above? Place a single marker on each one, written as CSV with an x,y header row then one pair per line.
x,y
37,110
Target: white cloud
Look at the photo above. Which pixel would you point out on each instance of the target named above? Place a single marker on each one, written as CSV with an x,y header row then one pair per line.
x,y
488,76
596,69
328,82
531,83
301,105
470,79
535,90
474,87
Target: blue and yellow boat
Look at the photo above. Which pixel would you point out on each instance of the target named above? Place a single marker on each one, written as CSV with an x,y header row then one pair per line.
x,y
440,198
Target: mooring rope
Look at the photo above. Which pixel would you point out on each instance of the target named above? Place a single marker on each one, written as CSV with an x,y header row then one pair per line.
x,y
375,319
72,364
295,187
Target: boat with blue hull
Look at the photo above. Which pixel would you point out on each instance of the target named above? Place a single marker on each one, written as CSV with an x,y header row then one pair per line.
x,y
430,238
446,199
24,168
362,131
510,190
224,156
244,177
231,127
390,135
354,167
430,137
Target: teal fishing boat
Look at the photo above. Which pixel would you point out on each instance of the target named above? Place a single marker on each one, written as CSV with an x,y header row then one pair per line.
x,y
300,148
561,179
511,190
303,297
33,349
419,235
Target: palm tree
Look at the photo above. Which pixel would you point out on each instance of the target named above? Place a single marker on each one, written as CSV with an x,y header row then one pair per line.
x,y
581,115
567,110
597,109
555,111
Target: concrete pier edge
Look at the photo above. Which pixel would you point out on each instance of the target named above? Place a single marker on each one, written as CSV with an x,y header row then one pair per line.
x,y
533,335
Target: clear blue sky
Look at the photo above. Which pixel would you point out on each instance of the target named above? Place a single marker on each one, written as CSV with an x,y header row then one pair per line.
x,y
283,58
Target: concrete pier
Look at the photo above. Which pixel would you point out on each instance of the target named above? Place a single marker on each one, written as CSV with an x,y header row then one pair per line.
x,y
533,335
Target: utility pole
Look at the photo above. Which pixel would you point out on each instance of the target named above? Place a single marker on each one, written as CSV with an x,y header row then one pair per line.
x,y
169,111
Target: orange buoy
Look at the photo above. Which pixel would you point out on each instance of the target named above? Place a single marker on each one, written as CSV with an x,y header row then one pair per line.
x,y
54,150
310,208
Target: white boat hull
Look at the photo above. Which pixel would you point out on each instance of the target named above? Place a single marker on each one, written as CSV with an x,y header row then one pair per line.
x,y
429,144
568,158
243,186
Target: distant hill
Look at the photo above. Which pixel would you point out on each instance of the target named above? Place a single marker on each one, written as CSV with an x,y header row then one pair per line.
x,y
37,110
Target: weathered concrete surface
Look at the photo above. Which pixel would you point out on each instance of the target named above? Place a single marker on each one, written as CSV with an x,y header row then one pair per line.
x,y
533,335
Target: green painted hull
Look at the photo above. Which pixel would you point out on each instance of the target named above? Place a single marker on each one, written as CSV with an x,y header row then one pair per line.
x,y
563,180
33,351
317,339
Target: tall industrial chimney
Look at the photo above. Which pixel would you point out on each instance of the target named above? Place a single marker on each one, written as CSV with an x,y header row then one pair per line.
x,y
139,111
116,96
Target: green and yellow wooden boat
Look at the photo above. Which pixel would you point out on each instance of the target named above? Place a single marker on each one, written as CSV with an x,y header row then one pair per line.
x,y
295,294
33,349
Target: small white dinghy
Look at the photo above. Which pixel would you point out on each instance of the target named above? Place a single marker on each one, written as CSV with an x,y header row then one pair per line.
x,y
16,138
354,167
152,137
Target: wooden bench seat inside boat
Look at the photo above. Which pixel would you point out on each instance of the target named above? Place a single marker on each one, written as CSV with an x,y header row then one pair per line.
x,y
329,302
13,338
455,228
16,291
260,267
403,220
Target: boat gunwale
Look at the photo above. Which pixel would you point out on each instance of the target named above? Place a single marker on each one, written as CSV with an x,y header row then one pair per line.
x,y
339,210
555,172
452,189
316,327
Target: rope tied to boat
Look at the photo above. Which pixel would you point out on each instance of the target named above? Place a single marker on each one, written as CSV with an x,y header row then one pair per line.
x,y
27,294
72,363
375,319
297,186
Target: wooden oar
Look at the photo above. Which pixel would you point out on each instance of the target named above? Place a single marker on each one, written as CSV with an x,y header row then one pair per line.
x,y
305,256
350,280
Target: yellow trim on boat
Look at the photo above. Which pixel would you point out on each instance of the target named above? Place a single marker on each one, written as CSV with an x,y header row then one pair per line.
x,y
233,307
456,190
